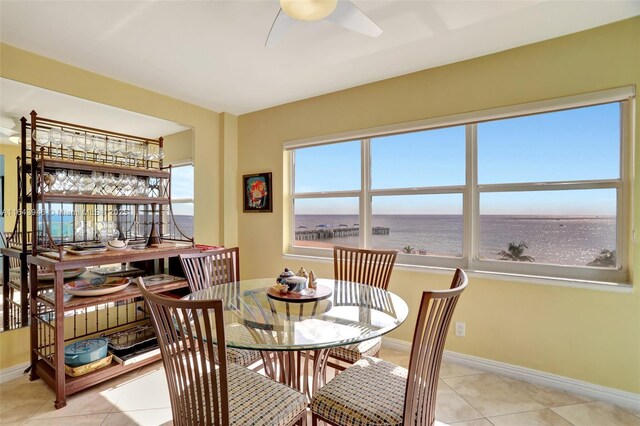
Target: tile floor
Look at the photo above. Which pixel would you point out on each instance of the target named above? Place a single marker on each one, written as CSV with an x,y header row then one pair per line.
x,y
466,397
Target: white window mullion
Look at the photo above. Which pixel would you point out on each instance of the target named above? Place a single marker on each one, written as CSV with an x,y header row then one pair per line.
x,y
471,201
292,203
365,195
624,192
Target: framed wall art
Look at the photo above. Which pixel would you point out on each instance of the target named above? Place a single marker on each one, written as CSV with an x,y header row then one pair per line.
x,y
257,193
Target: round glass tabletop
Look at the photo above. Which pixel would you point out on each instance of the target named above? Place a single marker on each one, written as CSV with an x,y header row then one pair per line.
x,y
338,313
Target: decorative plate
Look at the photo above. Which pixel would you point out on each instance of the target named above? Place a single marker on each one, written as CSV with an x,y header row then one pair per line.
x,y
81,251
44,275
116,270
319,293
96,286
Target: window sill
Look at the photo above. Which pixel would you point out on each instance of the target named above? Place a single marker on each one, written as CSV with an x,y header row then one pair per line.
x,y
499,276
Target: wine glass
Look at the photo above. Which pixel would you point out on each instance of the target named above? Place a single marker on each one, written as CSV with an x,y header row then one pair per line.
x,y
114,148
137,153
86,184
68,140
142,188
89,146
72,184
78,142
59,182
49,180
55,138
100,146
41,137
127,151
98,182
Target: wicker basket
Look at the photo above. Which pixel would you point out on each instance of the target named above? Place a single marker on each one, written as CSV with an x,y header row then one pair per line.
x,y
88,368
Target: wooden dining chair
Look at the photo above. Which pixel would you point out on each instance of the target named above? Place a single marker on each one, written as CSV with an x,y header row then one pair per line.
x,y
211,268
373,391
370,267
207,393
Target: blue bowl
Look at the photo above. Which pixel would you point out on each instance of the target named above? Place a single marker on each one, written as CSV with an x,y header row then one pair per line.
x,y
85,351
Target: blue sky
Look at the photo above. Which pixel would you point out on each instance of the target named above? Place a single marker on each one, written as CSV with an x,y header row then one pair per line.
x,y
576,144
182,187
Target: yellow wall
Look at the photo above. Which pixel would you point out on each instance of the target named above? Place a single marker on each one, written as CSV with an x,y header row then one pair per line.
x,y
178,147
230,182
579,333
26,67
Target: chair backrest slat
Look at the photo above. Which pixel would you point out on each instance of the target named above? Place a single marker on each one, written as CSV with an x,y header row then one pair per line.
x,y
191,336
210,268
434,318
371,267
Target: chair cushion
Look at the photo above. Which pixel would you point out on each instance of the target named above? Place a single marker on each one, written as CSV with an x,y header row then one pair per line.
x,y
244,357
354,353
370,392
257,400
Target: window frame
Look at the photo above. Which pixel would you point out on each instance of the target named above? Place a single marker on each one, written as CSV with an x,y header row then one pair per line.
x,y
472,190
184,200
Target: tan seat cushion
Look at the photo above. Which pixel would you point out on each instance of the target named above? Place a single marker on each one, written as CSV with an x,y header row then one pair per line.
x,y
354,353
244,357
257,400
371,392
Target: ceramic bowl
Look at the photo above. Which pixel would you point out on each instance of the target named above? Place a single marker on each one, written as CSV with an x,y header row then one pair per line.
x,y
117,244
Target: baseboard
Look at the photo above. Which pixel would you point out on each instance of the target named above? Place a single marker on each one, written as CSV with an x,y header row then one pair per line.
x,y
578,387
12,373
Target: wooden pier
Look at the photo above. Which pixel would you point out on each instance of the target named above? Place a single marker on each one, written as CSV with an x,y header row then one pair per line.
x,y
329,232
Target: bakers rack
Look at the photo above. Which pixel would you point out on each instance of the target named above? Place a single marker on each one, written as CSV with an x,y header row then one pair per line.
x,y
79,186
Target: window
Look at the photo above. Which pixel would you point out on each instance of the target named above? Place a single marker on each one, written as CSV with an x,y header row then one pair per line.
x,y
540,189
182,197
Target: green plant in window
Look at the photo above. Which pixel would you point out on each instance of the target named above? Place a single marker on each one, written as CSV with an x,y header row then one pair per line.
x,y
605,258
515,252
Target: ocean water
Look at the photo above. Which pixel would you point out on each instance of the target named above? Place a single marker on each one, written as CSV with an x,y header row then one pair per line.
x,y
564,240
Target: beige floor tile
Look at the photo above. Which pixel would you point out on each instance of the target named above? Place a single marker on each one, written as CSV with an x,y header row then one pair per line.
x,y
491,395
95,400
143,417
479,422
450,407
93,420
597,414
543,417
148,391
546,396
451,369
20,398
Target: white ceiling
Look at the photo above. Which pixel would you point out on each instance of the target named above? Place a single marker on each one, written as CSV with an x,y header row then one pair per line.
x,y
18,99
211,53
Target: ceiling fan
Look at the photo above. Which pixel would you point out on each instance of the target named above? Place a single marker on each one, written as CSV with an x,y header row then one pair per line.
x,y
340,12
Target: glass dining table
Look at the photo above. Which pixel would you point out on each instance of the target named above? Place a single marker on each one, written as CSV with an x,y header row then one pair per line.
x,y
295,333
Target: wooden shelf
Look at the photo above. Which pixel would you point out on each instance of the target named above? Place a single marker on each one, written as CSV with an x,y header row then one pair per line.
x,y
75,384
99,167
71,261
101,199
130,292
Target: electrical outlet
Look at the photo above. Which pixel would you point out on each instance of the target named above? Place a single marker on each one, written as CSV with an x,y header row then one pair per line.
x,y
460,329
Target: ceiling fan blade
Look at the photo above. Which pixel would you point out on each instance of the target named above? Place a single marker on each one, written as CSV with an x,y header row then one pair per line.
x,y
4,131
281,25
348,15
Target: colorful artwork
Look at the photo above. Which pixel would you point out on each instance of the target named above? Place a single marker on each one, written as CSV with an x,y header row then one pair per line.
x,y
257,192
